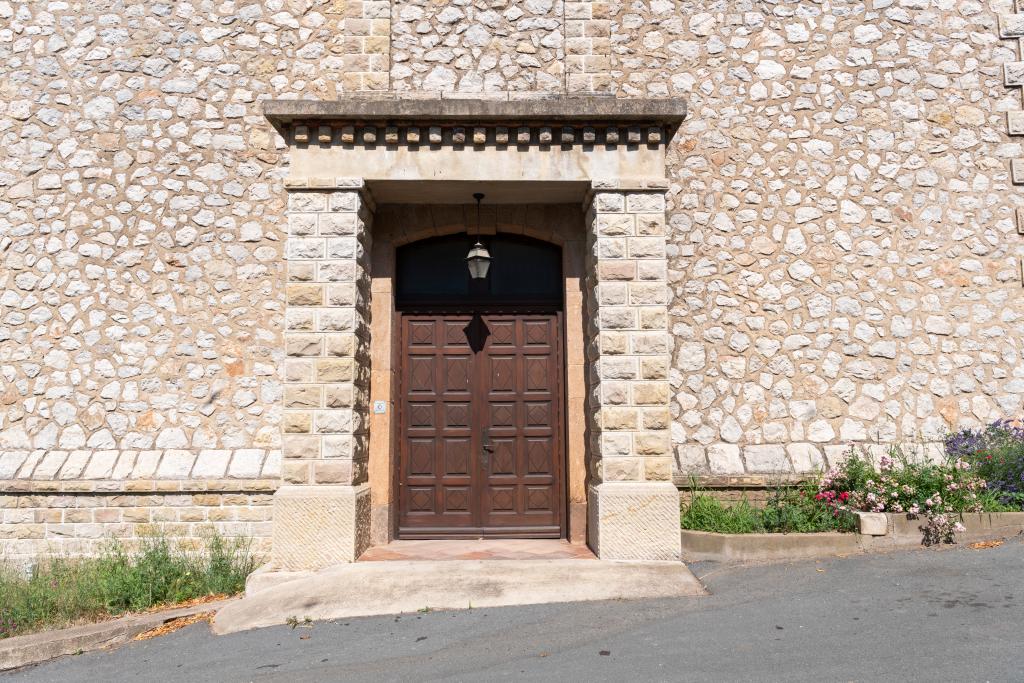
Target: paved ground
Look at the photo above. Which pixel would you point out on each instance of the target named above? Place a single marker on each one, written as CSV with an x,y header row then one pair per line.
x,y
954,614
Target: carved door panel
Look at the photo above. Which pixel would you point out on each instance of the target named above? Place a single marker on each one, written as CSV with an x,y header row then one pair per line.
x,y
481,415
438,444
521,420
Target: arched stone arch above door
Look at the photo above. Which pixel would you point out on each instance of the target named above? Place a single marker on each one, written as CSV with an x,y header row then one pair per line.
x,y
586,173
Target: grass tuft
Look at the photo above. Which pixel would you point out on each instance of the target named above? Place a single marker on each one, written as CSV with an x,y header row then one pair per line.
x,y
60,591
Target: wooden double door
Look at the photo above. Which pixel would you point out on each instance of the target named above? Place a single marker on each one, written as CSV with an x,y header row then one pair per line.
x,y
481,419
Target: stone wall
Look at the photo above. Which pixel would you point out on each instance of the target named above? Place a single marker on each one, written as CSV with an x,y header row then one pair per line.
x,y
843,254
71,502
843,257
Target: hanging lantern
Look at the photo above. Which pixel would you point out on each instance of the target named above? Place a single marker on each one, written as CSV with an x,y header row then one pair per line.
x,y
478,259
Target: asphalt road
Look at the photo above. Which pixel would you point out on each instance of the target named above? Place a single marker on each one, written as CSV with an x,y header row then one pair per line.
x,y
945,615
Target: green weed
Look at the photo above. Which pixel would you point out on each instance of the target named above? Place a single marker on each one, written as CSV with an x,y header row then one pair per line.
x,y
60,591
788,509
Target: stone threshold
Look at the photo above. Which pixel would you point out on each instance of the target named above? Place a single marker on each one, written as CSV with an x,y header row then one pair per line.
x,y
478,549
877,532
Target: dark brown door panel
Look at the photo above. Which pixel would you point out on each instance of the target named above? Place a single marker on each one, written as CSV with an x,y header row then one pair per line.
x,y
481,444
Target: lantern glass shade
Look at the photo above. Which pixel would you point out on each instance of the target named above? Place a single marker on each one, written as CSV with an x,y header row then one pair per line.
x,y
478,260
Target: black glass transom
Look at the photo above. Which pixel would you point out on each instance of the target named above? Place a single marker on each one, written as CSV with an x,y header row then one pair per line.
x,y
523,271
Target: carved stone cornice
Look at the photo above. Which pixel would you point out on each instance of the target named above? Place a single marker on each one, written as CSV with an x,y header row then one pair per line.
x,y
472,122
568,138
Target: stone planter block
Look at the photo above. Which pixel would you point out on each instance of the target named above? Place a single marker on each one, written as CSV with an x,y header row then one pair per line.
x,y
872,523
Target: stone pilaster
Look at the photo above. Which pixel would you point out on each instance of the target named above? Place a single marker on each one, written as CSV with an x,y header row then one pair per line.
x,y
634,511
362,44
325,442
587,46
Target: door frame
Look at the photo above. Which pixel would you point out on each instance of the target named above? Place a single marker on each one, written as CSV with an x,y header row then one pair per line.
x,y
398,424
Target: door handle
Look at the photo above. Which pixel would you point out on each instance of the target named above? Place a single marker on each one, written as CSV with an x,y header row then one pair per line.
x,y
487,441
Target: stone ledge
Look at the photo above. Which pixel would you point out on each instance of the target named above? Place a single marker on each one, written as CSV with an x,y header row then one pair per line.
x,y
744,481
174,464
707,546
21,486
667,111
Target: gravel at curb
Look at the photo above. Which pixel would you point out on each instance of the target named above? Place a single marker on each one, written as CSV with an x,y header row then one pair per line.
x,y
40,647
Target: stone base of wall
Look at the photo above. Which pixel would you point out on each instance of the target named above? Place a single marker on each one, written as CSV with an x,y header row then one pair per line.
x,y
319,526
35,524
634,521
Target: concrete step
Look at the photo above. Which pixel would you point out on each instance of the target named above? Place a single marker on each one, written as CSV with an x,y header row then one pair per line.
x,y
395,587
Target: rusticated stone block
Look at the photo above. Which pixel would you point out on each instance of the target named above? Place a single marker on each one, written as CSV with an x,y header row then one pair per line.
x,y
1017,171
634,521
318,526
1011,25
1013,74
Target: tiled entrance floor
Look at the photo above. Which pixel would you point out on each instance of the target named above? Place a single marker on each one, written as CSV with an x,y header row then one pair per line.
x,y
483,549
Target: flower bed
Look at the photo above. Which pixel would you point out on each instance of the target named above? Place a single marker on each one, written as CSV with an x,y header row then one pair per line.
x,y
787,510
996,453
982,472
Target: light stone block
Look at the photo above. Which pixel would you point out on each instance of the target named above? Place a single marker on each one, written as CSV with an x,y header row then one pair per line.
x,y
29,465
211,464
319,526
1011,25
176,464
125,463
766,459
1013,74
272,465
49,465
805,457
11,462
634,521
872,523
724,458
101,465
246,463
74,465
146,464
1015,122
